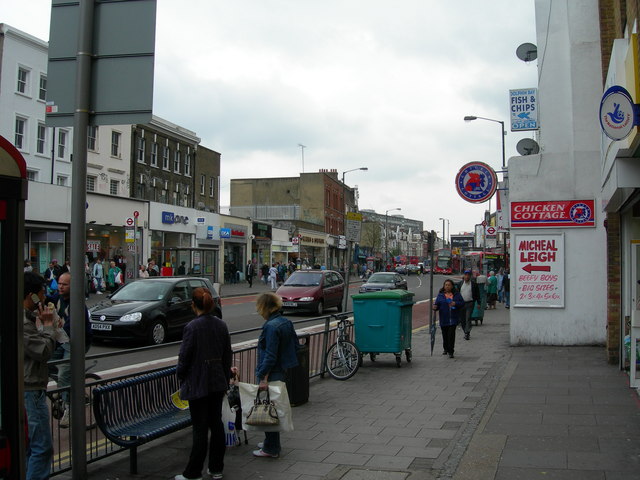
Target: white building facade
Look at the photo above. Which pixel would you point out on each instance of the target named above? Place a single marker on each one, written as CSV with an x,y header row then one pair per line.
x,y
568,168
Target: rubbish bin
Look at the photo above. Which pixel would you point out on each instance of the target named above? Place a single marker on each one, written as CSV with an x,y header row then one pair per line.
x,y
383,322
297,378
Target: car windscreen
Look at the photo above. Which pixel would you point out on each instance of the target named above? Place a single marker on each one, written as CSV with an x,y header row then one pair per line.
x,y
384,278
304,280
142,291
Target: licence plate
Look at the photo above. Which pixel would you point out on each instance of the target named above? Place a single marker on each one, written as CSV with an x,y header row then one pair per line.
x,y
101,326
289,304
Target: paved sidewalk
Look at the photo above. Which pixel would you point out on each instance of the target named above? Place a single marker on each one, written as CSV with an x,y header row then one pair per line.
x,y
492,412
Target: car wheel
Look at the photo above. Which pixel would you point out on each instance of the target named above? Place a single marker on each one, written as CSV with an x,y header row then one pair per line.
x,y
157,333
320,308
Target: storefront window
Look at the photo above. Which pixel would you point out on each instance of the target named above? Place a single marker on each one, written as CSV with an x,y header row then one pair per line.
x,y
44,247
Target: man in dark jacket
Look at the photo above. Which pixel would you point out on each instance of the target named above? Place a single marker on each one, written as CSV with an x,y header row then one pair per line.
x,y
468,288
249,273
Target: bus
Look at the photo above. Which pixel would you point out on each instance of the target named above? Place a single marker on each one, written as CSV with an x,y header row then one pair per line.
x,y
442,261
483,262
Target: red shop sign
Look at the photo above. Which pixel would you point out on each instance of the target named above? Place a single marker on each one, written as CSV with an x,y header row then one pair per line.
x,y
554,213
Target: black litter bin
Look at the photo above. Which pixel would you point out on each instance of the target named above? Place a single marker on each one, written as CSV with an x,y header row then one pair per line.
x,y
298,377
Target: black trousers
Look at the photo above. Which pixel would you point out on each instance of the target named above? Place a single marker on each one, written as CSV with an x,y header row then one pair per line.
x,y
449,337
206,414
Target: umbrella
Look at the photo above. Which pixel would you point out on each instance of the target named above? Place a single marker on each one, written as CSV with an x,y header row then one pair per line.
x,y
432,323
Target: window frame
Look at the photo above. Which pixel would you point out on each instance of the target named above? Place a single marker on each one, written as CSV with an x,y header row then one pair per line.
x,y
22,85
113,182
41,142
61,143
140,149
154,154
187,165
203,183
19,137
166,153
176,161
64,179
42,97
93,180
212,185
92,140
116,138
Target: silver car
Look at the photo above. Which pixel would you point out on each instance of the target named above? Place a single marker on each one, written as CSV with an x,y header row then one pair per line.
x,y
384,281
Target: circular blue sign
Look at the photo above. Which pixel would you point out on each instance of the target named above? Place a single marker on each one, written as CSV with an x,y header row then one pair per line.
x,y
580,213
476,182
617,113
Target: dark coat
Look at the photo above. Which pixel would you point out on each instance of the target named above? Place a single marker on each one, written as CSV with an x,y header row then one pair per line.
x,y
204,363
449,316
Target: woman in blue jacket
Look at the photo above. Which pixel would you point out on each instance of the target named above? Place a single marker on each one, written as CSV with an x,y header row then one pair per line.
x,y
449,303
204,370
277,352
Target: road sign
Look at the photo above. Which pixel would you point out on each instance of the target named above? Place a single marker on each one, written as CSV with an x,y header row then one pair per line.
x,y
129,235
129,222
353,226
491,230
476,182
539,272
136,214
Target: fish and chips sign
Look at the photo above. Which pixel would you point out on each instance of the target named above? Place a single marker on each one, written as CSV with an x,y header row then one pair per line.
x,y
524,109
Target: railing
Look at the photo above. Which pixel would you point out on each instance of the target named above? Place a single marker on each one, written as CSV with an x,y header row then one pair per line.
x,y
321,337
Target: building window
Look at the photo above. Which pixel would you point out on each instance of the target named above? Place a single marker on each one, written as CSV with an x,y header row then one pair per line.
x,y
113,187
42,92
62,143
185,200
141,190
92,138
203,182
175,199
41,138
21,127
23,80
165,158
140,149
115,144
154,154
91,183
187,165
62,181
32,175
212,186
176,162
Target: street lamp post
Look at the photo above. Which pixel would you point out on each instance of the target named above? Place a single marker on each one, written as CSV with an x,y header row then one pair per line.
x,y
352,170
386,233
503,133
444,232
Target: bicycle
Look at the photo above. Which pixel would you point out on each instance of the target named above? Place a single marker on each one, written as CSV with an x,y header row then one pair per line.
x,y
343,357
58,404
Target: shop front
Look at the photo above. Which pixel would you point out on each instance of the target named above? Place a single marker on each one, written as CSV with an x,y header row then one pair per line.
x,y
111,232
234,236
313,249
261,244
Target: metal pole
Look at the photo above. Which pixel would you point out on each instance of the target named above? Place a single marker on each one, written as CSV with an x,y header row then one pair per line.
x,y
386,240
135,246
347,271
78,235
504,165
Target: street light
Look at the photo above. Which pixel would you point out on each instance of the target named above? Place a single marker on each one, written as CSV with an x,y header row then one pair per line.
x,y
386,233
353,170
444,236
470,118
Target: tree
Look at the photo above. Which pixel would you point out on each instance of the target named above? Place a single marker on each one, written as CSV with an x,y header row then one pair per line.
x,y
371,237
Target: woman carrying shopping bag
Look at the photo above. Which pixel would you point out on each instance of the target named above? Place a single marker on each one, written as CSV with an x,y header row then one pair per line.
x,y
204,370
277,352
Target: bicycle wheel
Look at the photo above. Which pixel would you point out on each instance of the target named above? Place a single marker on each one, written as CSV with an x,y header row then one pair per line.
x,y
343,360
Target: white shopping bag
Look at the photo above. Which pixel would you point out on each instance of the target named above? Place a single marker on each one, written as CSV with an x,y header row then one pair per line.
x,y
229,421
278,395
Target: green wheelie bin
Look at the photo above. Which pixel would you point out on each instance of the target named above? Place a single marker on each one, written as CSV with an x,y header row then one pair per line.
x,y
382,323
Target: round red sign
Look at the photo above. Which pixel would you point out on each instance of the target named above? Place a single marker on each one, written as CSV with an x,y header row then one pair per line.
x,y
129,221
136,214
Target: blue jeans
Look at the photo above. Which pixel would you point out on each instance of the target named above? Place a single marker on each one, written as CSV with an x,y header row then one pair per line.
x,y
63,351
40,448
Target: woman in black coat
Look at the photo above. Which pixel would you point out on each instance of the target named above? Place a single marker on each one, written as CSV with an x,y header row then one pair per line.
x,y
204,370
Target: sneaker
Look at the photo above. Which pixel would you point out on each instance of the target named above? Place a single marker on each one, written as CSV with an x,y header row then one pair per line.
x,y
215,476
260,445
98,293
262,453
467,336
451,355
182,477
64,421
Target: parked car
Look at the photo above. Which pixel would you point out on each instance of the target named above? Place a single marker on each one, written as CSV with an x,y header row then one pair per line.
x,y
149,309
312,291
401,269
413,269
384,281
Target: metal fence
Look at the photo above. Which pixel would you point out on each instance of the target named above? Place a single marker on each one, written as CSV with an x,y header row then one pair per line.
x,y
320,338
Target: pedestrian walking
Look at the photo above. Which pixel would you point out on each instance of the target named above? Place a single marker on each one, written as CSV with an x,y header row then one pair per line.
x,y
142,271
204,371
277,352
98,276
264,271
250,272
506,285
273,277
449,303
114,277
500,277
468,289
492,290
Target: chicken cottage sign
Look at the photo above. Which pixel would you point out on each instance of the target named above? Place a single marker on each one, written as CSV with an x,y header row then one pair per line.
x,y
553,214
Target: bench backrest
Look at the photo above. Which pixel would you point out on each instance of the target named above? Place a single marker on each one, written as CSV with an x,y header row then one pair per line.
x,y
134,399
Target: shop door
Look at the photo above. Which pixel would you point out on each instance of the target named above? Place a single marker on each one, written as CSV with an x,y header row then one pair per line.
x,y
634,381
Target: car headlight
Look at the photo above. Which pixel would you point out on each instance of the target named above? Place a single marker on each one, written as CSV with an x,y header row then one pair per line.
x,y
131,317
306,299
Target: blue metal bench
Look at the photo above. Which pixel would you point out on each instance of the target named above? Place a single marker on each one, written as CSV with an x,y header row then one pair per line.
x,y
135,411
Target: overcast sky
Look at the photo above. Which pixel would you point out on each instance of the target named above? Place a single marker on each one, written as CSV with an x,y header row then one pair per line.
x,y
360,83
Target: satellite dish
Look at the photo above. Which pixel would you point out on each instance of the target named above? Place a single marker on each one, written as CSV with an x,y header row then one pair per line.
x,y
527,52
528,146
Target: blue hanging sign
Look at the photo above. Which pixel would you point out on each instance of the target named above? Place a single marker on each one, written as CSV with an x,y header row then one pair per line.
x,y
618,113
